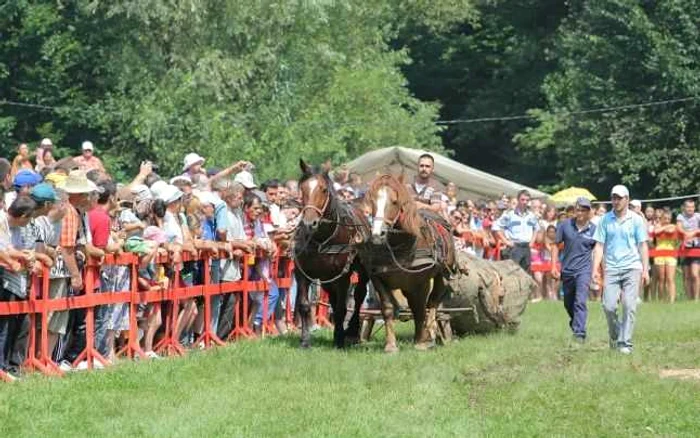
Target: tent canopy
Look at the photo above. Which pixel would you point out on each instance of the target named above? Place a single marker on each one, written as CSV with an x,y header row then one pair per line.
x,y
471,183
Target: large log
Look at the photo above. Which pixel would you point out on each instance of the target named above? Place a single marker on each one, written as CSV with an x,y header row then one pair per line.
x,y
498,292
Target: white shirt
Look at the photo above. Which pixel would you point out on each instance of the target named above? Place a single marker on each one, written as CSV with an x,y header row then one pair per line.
x,y
172,229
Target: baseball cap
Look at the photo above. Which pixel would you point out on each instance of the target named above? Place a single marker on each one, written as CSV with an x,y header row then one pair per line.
x,y
620,191
87,146
55,178
43,193
245,178
206,197
636,203
26,177
583,202
46,142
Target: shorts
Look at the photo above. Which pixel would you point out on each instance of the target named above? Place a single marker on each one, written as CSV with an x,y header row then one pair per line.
x,y
687,261
665,261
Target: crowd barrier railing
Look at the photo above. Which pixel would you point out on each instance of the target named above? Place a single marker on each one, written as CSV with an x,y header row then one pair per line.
x,y
38,306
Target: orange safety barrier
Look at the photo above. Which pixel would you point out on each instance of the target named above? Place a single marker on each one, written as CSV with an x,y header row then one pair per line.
x,y
38,305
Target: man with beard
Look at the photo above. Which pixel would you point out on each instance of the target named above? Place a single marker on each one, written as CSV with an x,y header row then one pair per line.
x,y
427,191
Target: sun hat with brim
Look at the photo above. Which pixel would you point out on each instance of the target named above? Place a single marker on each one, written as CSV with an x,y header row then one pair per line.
x,y
77,183
43,193
190,160
170,194
245,178
25,178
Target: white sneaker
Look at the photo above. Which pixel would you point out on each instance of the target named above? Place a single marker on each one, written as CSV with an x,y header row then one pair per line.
x,y
11,377
152,355
65,366
625,350
82,366
96,364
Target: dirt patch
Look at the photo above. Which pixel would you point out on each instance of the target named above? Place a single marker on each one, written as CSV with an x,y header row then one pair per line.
x,y
683,374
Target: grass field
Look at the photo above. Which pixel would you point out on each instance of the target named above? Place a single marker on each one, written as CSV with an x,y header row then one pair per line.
x,y
529,384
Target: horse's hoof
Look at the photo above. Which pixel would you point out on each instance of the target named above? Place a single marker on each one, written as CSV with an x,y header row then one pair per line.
x,y
424,346
391,349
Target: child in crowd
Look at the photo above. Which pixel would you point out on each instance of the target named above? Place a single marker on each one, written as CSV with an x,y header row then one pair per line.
x,y
667,239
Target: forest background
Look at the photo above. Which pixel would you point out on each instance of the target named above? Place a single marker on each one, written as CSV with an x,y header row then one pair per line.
x,y
549,93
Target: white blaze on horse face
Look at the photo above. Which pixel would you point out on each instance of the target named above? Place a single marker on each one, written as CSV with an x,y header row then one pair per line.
x,y
313,185
378,221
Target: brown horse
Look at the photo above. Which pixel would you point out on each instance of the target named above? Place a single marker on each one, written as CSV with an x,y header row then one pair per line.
x,y
408,249
326,250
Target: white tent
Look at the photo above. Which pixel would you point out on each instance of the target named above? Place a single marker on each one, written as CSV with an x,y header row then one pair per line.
x,y
472,183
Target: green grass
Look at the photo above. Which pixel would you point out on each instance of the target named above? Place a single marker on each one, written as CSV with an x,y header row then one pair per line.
x,y
528,384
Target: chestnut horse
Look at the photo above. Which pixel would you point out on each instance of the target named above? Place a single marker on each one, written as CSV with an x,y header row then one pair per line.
x,y
326,250
411,250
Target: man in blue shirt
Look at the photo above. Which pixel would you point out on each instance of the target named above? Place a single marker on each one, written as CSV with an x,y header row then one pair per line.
x,y
577,236
516,228
622,238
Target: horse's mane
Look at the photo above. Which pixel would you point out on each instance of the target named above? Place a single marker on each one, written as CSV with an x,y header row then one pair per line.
x,y
411,222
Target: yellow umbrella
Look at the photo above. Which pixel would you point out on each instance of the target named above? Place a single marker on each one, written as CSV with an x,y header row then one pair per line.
x,y
570,195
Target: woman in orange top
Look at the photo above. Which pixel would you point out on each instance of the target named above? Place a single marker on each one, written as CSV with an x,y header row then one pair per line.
x,y
666,236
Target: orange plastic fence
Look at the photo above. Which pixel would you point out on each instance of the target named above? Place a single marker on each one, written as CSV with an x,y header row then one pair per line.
x,y
38,305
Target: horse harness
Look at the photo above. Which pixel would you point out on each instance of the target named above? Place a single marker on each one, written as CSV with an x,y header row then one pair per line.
x,y
325,247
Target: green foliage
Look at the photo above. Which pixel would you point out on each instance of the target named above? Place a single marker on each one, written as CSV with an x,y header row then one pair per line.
x,y
265,81
620,52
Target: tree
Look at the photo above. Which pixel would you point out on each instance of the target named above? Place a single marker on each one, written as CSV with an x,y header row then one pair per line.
x,y
612,53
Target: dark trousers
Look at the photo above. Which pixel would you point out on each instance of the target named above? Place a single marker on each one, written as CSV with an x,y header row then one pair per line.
x,y
76,339
226,322
14,333
575,296
520,254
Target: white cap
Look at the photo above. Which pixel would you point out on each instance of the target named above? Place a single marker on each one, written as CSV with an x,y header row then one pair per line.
x,y
337,186
170,194
245,178
141,192
181,178
191,159
158,187
87,146
206,197
620,191
636,203
46,142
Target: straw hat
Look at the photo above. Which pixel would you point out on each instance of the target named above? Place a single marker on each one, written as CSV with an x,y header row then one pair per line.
x,y
77,182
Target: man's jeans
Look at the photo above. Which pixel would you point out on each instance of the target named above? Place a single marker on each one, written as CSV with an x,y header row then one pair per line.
x,y
14,330
575,297
272,298
622,286
520,254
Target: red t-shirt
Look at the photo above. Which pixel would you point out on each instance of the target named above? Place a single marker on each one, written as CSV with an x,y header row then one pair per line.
x,y
100,226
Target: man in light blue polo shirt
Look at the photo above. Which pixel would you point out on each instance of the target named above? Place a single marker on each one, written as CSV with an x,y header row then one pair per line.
x,y
621,237
516,229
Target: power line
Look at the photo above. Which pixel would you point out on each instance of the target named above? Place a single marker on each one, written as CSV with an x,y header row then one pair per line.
x,y
570,113
454,121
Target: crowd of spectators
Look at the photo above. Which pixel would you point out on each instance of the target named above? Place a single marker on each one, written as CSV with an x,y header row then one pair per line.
x,y
58,213
64,212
